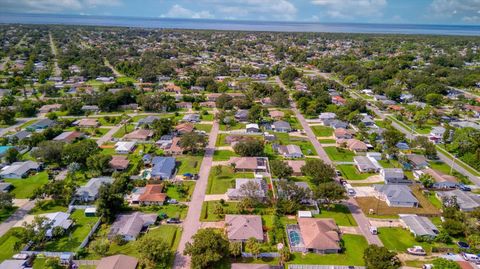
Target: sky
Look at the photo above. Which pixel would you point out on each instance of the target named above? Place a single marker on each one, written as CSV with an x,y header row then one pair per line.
x,y
351,11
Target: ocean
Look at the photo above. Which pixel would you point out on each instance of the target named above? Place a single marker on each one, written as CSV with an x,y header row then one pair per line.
x,y
164,23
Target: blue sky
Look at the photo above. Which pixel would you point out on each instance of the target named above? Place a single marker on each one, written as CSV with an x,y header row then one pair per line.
x,y
362,11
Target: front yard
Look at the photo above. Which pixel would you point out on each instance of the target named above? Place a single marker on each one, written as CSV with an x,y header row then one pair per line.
x,y
24,187
350,172
340,213
219,183
339,154
322,131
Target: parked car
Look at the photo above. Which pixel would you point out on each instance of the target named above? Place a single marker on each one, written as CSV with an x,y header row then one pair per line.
x,y
464,245
173,221
338,173
373,230
417,250
173,201
463,187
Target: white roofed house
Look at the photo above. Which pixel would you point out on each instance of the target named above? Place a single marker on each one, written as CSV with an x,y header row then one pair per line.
x,y
252,128
290,151
124,147
394,176
466,201
130,225
281,126
436,134
396,195
419,226
366,164
327,117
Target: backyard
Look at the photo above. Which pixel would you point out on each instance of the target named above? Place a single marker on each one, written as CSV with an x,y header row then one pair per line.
x,y
339,155
350,172
322,131
23,188
188,164
218,183
340,213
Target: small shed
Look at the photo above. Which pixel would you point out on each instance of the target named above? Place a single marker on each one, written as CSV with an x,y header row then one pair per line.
x,y
305,214
90,212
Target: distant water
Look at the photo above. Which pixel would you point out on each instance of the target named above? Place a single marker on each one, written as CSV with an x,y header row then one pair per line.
x,y
468,30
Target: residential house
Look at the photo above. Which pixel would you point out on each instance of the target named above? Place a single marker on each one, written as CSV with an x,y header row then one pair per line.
x,y
338,100
327,117
417,161
49,108
165,141
89,192
342,133
87,123
241,115
41,125
184,105
19,169
19,136
353,144
152,195
90,108
163,167
68,137
125,147
252,128
393,176
184,128
276,114
117,262
289,151
253,266
148,120
465,124
296,167
366,164
475,110
240,228
191,118
367,120
238,193
14,264
319,235
139,134
57,219
466,201
249,164
119,163
5,187
281,126
174,147
396,195
436,134
419,226
335,124
130,225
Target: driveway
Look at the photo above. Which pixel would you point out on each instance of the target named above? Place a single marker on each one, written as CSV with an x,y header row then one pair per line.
x,y
364,191
21,212
192,223
362,221
108,136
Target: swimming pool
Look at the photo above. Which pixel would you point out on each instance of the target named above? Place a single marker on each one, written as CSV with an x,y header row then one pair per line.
x,y
4,149
295,238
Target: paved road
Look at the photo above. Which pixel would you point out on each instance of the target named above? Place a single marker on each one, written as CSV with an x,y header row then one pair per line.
x,y
13,127
192,222
352,205
17,216
108,136
56,69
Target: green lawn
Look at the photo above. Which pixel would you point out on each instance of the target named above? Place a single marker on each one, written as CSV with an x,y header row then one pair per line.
x,y
397,239
339,213
440,166
208,210
389,164
7,241
203,127
327,141
218,184
75,235
304,144
322,131
47,206
350,172
338,154
121,132
24,187
223,155
237,126
171,210
188,164
173,193
354,245
126,79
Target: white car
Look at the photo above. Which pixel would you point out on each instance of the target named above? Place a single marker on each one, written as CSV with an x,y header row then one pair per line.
x,y
471,258
417,250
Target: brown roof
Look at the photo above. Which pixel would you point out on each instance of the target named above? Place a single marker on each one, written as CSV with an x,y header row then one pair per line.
x,y
153,193
184,128
140,134
343,131
119,162
353,144
439,176
243,227
296,165
118,262
175,148
88,122
247,163
250,266
319,234
276,114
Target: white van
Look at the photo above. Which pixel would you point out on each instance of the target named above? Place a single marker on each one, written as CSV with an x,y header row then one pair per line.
x,y
350,190
471,258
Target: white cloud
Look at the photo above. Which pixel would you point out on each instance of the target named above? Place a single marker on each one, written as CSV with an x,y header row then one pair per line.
x,y
465,10
349,9
51,6
251,9
177,11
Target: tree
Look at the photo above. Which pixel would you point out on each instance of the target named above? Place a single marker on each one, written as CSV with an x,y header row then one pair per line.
x,y
380,258
281,169
392,136
453,227
100,247
12,155
52,263
285,255
154,252
252,190
99,163
445,264
318,171
7,116
235,249
207,249
434,99
49,151
330,192
289,74
6,200
426,180
79,152
224,101
109,203
474,241
249,148
162,127
36,231
192,142
253,246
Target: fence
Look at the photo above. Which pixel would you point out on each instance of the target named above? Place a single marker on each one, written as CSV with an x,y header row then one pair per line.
x,y
87,239
261,255
85,262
